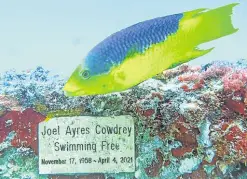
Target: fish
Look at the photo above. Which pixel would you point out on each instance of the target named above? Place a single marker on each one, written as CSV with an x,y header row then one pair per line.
x,y
141,51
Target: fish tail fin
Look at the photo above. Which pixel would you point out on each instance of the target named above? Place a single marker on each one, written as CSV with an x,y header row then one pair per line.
x,y
200,26
212,24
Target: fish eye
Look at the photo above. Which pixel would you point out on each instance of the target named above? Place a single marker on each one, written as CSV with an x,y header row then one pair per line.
x,y
85,74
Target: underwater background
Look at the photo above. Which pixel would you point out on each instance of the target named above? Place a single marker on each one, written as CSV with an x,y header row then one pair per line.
x,y
57,35
190,122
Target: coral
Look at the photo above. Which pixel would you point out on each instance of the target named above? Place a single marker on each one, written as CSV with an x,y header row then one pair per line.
x,y
19,163
237,138
216,71
235,81
147,107
192,111
193,79
171,73
198,174
9,103
236,106
191,123
189,77
153,169
24,124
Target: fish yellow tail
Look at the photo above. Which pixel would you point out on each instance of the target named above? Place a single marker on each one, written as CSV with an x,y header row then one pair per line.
x,y
197,27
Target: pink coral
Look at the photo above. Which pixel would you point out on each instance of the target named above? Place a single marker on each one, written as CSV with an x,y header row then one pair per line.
x,y
215,71
235,81
171,73
195,78
189,77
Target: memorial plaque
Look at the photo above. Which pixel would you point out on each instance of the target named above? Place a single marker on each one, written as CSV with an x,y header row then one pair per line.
x,y
86,144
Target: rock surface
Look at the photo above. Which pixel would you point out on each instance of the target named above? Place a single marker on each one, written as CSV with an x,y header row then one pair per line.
x,y
191,121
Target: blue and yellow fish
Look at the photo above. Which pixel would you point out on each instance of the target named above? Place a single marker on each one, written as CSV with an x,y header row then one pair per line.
x,y
139,52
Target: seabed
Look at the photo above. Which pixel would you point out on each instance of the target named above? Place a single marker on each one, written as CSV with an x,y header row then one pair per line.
x,y
190,123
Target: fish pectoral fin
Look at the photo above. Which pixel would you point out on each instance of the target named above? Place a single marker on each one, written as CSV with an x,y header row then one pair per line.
x,y
119,75
190,55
